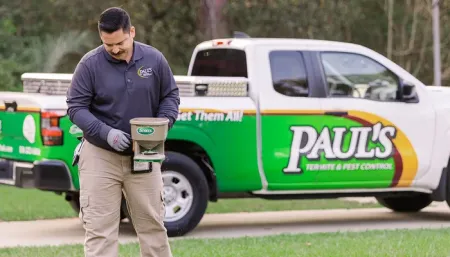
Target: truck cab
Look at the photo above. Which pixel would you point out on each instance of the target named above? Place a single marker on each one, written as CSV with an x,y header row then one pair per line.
x,y
261,117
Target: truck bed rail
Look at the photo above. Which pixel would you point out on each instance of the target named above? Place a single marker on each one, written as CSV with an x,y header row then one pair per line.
x,y
58,84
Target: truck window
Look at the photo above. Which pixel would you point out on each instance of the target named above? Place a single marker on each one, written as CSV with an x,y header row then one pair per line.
x,y
220,63
289,73
357,76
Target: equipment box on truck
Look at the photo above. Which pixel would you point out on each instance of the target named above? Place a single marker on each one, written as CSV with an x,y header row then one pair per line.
x,y
269,118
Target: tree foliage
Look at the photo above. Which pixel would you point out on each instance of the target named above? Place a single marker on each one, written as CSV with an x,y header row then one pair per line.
x,y
52,35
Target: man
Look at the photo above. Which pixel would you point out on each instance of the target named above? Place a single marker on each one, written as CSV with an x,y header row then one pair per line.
x,y
120,80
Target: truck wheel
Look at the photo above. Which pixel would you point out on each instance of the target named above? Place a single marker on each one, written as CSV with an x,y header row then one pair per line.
x,y
412,203
185,193
74,201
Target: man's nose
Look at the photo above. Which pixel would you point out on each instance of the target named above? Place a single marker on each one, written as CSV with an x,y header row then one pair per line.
x,y
115,50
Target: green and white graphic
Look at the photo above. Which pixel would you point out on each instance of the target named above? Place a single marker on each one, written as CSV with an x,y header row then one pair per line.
x,y
145,130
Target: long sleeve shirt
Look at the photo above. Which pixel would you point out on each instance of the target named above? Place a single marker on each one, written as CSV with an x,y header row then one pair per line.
x,y
106,93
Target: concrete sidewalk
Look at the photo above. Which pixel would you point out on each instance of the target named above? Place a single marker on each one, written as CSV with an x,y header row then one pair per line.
x,y
373,200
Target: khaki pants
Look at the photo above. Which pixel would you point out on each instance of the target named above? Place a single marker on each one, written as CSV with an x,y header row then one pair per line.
x,y
103,175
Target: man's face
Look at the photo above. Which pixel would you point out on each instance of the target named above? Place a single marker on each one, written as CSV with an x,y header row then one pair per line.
x,y
119,44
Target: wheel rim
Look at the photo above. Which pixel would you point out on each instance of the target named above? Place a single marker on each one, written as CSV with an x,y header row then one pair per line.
x,y
178,195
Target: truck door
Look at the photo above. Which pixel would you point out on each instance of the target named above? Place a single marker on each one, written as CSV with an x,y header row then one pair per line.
x,y
370,138
288,100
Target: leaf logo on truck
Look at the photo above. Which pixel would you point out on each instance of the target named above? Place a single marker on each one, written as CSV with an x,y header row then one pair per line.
x,y
29,129
346,144
145,130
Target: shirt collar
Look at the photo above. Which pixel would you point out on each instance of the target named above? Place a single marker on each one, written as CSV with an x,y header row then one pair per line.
x,y
137,53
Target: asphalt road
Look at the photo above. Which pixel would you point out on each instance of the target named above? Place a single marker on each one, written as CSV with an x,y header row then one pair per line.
x,y
69,231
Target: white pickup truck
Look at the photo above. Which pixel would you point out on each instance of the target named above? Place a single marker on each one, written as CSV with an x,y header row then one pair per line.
x,y
269,118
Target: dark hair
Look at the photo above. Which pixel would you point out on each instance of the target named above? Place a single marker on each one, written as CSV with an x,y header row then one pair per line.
x,y
113,19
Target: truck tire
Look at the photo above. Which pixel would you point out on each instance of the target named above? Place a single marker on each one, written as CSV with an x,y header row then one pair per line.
x,y
74,202
185,193
413,203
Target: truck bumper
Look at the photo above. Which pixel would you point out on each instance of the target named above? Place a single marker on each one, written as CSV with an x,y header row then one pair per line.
x,y
46,175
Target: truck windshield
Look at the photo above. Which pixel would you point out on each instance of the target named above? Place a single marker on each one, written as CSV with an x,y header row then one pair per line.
x,y
220,63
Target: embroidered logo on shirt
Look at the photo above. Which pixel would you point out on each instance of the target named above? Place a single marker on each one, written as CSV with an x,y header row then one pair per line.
x,y
144,72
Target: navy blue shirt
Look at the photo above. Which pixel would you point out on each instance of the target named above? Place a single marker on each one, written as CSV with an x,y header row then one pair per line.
x,y
107,93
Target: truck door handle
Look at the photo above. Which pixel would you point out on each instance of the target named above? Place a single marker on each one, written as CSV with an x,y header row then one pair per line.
x,y
337,113
10,106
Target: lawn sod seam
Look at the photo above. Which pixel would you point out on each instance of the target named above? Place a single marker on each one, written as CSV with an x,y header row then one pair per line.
x,y
32,204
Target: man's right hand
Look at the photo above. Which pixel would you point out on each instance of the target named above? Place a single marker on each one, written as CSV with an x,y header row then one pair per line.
x,y
118,139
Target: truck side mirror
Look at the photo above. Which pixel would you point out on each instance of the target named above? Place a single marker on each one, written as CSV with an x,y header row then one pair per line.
x,y
408,93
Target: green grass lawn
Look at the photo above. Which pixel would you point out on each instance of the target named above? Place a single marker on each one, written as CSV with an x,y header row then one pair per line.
x,y
32,204
373,243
